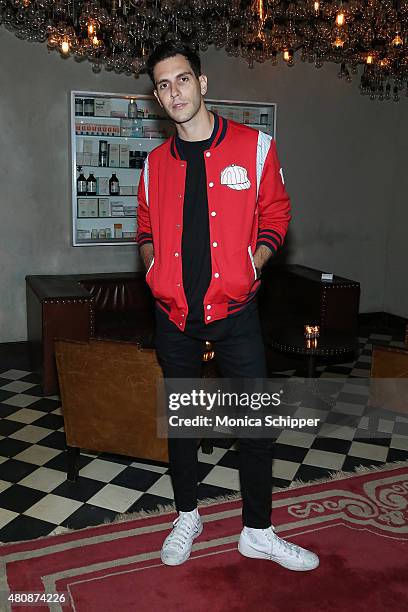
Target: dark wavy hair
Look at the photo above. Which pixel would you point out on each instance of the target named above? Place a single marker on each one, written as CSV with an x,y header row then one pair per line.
x,y
170,49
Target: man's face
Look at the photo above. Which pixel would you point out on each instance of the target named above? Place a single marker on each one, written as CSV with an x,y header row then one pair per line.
x,y
178,91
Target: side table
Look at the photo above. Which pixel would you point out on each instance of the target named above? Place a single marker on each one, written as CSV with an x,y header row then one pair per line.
x,y
330,343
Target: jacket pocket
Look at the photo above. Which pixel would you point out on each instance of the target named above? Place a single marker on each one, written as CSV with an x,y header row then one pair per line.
x,y
251,257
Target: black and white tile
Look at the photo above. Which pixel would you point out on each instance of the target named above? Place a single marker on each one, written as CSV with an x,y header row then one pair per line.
x,y
35,496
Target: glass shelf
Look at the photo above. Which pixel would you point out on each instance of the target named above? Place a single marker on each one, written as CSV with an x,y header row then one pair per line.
x,y
87,117
109,195
104,241
118,217
161,138
108,167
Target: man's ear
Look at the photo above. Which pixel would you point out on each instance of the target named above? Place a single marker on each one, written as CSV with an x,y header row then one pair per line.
x,y
203,84
156,95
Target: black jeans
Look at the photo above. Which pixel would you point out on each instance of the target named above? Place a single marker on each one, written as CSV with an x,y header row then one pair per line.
x,y
240,353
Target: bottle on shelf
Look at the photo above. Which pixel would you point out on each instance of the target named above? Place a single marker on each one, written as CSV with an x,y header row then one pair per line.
x,y
79,106
132,109
103,153
91,185
113,185
81,183
89,107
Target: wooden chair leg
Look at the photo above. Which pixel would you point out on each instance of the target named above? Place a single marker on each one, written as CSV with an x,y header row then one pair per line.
x,y
207,446
73,456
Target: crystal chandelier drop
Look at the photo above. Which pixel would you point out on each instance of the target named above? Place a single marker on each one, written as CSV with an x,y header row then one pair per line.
x,y
119,34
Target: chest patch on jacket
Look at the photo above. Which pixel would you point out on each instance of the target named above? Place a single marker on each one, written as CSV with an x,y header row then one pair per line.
x,y
235,177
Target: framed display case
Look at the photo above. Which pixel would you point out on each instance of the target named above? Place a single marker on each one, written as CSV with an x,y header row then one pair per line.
x,y
111,135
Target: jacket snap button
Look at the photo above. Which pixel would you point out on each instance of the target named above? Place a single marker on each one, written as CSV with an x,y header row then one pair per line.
x,y
211,184
208,154
213,214
208,318
208,307
216,275
215,244
176,254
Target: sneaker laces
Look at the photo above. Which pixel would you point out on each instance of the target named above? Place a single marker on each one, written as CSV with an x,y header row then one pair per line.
x,y
286,547
182,527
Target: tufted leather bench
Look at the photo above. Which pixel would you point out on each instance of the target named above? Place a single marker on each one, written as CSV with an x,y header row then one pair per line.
x,y
78,307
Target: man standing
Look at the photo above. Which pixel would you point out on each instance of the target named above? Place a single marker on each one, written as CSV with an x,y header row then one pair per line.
x,y
212,210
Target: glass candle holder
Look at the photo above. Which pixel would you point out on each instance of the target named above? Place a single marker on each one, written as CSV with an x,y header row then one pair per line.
x,y
311,343
311,331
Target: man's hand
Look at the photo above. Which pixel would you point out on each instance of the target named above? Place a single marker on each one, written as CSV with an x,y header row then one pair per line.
x,y
147,254
261,256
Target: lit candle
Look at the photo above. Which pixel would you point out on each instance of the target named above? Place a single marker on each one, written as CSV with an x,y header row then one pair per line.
x,y
309,331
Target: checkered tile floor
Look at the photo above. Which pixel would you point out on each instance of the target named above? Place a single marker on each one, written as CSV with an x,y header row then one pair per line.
x,y
35,496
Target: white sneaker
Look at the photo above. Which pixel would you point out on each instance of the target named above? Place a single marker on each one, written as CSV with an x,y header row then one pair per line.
x,y
265,544
176,548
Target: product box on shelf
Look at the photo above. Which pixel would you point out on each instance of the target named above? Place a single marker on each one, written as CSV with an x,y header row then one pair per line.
x,y
114,155
117,208
117,229
251,115
83,207
137,128
126,127
83,234
87,145
92,207
128,190
87,159
124,156
102,185
264,117
129,210
103,207
102,107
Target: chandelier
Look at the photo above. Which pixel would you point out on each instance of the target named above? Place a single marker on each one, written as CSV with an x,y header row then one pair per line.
x,y
118,35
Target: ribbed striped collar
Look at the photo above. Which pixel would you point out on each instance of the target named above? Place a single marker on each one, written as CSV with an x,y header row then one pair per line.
x,y
217,136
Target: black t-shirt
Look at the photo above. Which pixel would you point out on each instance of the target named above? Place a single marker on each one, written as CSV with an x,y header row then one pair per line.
x,y
196,255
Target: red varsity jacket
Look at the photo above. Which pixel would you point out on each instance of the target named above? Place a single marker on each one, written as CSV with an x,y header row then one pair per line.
x,y
247,206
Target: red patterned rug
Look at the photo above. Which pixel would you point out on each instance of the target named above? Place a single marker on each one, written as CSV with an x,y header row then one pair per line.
x,y
357,524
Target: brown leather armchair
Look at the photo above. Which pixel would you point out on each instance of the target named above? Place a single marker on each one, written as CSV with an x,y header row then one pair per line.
x,y
389,362
108,393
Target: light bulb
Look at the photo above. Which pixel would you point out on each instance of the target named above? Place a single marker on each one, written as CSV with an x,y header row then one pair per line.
x,y
397,42
370,59
91,29
65,46
338,43
286,55
316,7
340,19
95,41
